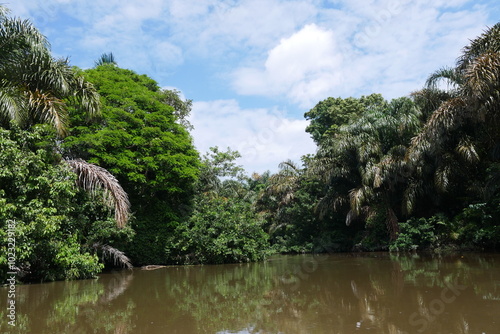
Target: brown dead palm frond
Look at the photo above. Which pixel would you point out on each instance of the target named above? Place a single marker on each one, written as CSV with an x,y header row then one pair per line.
x,y
113,255
47,108
483,78
489,41
445,119
93,178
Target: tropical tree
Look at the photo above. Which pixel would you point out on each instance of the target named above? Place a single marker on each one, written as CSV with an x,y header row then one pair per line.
x,y
223,225
363,166
279,193
461,136
328,115
35,87
139,141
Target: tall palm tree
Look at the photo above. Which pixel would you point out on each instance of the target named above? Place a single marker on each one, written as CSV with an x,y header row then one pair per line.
x,y
284,183
279,193
464,130
35,87
363,163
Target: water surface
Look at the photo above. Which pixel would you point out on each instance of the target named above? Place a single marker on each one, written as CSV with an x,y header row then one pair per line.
x,y
336,293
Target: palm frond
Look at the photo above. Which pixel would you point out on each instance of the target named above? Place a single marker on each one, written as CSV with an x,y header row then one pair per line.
x,y
428,100
105,58
350,217
483,79
284,183
10,103
85,93
3,11
410,196
45,107
445,119
27,65
467,150
442,177
18,35
451,76
114,255
358,197
330,203
93,178
487,42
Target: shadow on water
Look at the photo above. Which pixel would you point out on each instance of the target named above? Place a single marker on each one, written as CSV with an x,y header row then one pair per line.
x,y
336,293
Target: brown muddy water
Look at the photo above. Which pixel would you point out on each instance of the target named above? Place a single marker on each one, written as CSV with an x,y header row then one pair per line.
x,y
336,293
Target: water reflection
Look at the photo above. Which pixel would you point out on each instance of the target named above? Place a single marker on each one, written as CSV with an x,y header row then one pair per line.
x,y
341,293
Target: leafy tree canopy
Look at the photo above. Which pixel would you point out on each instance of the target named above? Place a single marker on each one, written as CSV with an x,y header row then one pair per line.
x,y
137,138
140,141
328,115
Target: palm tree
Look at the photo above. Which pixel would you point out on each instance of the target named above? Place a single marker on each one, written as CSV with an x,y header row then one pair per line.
x,y
463,131
363,163
278,194
35,87
106,58
284,183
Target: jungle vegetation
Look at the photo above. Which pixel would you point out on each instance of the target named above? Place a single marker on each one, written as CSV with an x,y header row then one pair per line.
x,y
98,169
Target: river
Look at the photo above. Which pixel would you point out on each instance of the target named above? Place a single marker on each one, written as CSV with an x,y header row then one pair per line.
x,y
332,293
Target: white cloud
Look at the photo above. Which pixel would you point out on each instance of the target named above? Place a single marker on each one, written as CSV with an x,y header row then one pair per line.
x,y
304,67
217,28
264,137
367,47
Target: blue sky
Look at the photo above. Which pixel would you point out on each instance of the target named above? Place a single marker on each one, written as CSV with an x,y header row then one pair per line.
x,y
254,67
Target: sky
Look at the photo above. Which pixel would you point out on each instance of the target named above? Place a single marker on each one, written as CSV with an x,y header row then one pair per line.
x,y
254,67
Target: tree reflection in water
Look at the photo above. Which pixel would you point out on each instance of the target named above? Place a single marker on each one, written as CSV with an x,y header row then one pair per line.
x,y
336,293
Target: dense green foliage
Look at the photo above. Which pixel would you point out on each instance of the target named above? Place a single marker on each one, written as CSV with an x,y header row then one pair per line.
x,y
417,172
223,226
328,115
57,228
50,228
139,141
424,168
220,230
